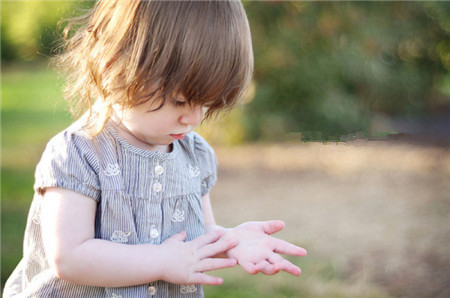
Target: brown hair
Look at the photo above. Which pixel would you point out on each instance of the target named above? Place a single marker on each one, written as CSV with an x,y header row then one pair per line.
x,y
127,51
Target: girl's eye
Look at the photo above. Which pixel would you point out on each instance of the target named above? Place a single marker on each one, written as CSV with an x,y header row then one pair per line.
x,y
180,103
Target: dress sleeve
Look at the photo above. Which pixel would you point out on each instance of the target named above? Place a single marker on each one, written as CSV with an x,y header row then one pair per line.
x,y
69,162
207,163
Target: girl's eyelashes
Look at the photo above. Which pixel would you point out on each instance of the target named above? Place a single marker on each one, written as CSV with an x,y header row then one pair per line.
x,y
180,103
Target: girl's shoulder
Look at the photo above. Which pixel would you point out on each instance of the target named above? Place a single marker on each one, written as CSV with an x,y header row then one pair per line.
x,y
72,143
205,160
72,136
197,141
197,144
69,161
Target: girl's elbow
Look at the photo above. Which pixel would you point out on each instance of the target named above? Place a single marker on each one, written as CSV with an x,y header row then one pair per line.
x,y
63,266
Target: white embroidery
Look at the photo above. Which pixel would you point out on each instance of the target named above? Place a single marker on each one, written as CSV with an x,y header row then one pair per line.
x,y
194,171
112,170
178,215
186,289
37,219
119,236
114,295
36,257
37,215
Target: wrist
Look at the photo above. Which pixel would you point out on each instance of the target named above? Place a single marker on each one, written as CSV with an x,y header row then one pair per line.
x,y
161,266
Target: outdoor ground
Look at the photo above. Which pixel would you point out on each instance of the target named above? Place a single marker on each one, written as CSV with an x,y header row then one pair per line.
x,y
374,216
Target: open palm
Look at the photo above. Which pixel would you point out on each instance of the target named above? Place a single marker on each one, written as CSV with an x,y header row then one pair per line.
x,y
257,251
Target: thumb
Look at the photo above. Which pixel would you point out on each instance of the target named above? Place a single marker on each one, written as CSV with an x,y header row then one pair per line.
x,y
272,226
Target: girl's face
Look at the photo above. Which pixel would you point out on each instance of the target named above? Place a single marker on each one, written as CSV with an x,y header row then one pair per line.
x,y
151,129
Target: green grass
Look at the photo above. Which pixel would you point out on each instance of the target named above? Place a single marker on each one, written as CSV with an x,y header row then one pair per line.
x,y
32,111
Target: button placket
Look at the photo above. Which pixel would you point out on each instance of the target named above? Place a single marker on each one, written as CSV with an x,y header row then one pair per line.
x,y
155,232
158,170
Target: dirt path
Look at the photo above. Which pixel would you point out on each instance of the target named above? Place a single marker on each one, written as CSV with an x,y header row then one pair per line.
x,y
380,211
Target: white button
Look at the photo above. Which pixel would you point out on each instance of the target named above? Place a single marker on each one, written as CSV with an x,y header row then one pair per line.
x,y
159,170
151,290
157,187
154,233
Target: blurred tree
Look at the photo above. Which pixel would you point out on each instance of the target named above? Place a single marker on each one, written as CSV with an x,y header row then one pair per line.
x,y
29,29
323,68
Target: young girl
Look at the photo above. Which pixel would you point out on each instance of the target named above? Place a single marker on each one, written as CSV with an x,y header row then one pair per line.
x,y
121,205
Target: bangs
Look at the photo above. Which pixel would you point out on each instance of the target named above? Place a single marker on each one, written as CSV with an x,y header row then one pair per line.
x,y
205,54
130,52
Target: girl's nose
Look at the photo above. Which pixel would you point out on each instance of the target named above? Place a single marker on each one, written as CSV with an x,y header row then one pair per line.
x,y
192,116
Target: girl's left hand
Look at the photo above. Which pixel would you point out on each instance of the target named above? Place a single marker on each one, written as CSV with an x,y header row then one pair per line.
x,y
257,251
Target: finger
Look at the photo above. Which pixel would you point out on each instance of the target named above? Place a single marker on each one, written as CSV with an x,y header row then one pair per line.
x,y
209,237
215,248
270,270
272,226
249,267
265,267
274,265
181,236
286,248
215,264
284,265
205,279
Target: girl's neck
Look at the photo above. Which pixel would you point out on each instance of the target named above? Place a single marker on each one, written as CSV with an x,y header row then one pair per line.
x,y
128,136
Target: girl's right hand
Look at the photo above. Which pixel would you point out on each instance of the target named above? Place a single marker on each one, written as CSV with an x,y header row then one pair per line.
x,y
185,262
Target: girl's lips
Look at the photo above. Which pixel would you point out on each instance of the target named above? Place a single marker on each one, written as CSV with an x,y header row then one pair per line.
x,y
179,136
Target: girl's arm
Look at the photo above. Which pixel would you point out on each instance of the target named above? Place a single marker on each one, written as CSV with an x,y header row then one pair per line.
x,y
67,221
256,250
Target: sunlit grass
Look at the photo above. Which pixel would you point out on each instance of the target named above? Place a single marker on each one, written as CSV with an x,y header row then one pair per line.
x,y
32,111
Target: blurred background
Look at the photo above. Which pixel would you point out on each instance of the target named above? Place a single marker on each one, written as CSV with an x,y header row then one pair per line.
x,y
344,135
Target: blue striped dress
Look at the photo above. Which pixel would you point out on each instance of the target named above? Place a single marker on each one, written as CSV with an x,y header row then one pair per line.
x,y
142,197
